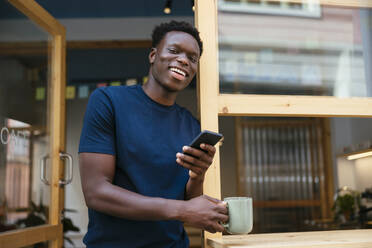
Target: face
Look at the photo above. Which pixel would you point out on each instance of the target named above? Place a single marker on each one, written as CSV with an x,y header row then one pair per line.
x,y
174,61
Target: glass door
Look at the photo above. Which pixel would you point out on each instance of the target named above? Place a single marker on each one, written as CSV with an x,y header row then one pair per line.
x,y
32,69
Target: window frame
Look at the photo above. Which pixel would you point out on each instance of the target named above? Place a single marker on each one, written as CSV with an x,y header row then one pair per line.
x,y
212,104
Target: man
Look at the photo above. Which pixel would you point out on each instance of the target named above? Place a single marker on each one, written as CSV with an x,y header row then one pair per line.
x,y
138,184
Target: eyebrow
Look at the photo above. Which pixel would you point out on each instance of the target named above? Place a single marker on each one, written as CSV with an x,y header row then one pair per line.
x,y
178,46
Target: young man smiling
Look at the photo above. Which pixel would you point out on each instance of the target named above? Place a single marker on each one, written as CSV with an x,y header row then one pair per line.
x,y
137,183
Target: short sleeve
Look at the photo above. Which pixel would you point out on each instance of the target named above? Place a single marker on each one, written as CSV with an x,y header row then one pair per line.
x,y
196,127
98,133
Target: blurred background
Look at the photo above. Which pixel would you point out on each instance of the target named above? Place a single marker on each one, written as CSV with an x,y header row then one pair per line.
x,y
303,173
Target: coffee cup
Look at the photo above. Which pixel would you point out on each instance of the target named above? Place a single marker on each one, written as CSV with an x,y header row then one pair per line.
x,y
240,211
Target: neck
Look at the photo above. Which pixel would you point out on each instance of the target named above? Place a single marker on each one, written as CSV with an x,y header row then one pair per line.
x,y
159,93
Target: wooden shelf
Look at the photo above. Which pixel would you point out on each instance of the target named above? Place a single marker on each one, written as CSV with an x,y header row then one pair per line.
x,y
356,152
329,239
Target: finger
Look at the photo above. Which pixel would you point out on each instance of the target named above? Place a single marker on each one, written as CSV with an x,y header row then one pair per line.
x,y
209,148
192,160
193,174
222,208
222,218
191,167
218,227
198,154
209,152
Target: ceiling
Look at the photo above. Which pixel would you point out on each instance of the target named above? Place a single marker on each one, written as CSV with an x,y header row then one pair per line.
x,y
104,8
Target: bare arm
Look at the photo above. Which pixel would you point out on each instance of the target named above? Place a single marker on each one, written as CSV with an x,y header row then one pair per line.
x,y
194,188
97,173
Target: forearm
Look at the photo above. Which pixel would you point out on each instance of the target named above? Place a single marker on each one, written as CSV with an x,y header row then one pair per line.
x,y
116,201
194,188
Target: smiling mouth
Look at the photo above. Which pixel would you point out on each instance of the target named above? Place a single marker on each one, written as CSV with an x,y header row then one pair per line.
x,y
178,71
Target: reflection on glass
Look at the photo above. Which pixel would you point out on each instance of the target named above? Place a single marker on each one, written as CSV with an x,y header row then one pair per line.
x,y
276,47
24,137
297,171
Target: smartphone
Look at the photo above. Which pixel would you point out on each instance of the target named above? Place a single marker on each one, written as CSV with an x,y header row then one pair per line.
x,y
206,137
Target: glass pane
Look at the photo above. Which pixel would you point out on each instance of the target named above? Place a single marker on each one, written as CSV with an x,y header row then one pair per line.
x,y
24,125
294,48
286,165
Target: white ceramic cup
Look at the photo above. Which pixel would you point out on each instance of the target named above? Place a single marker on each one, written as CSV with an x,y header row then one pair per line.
x,y
240,211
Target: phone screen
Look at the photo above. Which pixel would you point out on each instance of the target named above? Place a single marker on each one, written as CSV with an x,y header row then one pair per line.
x,y
206,137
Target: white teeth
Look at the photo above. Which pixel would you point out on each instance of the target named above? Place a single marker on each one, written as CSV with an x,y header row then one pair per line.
x,y
178,71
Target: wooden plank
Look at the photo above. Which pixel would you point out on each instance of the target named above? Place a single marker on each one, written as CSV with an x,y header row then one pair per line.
x,y
24,48
336,3
109,44
194,235
208,89
39,48
324,239
61,47
57,121
303,106
29,236
40,16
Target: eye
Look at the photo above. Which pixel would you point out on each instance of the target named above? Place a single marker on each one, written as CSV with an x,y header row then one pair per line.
x,y
193,59
173,50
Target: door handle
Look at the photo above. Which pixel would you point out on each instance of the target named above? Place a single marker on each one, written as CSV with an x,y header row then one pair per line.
x,y
70,172
42,169
63,156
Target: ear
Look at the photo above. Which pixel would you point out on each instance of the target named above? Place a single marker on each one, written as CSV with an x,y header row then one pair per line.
x,y
152,55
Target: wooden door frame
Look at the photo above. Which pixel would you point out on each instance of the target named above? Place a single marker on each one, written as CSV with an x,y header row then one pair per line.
x,y
212,104
53,231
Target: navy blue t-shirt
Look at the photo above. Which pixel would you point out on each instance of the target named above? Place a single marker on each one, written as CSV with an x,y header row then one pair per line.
x,y
144,136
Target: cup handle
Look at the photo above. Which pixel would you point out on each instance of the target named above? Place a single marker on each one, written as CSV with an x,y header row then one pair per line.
x,y
226,225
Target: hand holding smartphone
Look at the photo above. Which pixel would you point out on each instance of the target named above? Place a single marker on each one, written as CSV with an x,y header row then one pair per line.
x,y
206,137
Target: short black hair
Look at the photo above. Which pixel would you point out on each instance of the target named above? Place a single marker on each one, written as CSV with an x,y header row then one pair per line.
x,y
161,30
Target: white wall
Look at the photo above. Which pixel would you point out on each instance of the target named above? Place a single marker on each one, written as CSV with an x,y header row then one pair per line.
x,y
350,132
363,173
356,174
74,198
346,173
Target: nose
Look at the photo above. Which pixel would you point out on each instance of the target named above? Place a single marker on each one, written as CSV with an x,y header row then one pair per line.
x,y
182,58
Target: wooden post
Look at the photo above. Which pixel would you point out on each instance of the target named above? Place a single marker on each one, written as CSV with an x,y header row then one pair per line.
x,y
58,126
208,90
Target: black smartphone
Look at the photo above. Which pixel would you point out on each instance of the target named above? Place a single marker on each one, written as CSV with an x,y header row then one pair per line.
x,y
206,137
